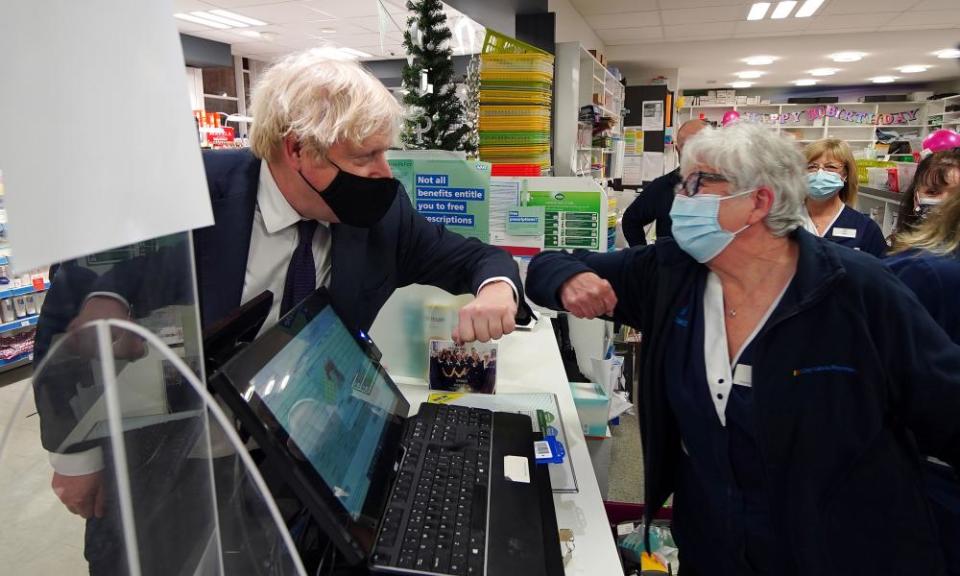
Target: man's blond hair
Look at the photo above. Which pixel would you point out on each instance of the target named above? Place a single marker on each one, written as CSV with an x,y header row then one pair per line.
x,y
320,98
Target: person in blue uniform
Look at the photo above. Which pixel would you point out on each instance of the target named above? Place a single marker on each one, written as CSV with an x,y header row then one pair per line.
x,y
927,259
786,381
927,189
832,199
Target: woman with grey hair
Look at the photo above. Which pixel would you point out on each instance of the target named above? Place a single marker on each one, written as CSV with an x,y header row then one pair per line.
x,y
786,382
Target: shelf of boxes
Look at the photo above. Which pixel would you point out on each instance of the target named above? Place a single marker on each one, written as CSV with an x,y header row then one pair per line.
x,y
832,127
581,81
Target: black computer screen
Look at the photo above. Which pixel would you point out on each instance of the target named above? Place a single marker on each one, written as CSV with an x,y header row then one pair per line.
x,y
334,403
327,412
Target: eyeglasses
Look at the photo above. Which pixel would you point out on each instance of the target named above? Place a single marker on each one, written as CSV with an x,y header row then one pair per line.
x,y
691,185
829,167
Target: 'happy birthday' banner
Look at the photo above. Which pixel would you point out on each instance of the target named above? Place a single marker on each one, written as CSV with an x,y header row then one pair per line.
x,y
831,111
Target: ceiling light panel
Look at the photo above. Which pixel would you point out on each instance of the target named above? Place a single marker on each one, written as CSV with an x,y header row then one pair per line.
x,y
750,74
239,17
758,10
947,53
808,8
202,21
221,19
883,79
805,82
741,84
783,9
913,69
823,71
760,60
847,56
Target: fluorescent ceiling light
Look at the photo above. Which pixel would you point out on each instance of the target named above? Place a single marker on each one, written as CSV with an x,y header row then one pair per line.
x,y
220,19
239,17
328,31
749,74
883,79
741,84
823,71
759,60
913,69
808,8
847,56
783,9
758,10
354,53
805,82
947,53
203,21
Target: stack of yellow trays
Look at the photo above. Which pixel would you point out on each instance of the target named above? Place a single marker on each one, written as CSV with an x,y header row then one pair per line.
x,y
516,90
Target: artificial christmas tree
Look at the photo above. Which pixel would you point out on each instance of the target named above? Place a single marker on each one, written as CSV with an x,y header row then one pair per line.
x,y
435,118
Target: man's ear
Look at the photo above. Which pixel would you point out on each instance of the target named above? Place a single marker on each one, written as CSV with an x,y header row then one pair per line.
x,y
292,151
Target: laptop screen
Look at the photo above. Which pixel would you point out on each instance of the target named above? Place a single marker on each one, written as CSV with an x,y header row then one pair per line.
x,y
315,399
333,402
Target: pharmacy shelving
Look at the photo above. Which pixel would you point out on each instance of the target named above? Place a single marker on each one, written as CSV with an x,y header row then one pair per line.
x,y
582,80
938,115
811,130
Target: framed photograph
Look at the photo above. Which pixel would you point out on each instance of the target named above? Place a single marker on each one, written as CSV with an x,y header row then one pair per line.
x,y
467,368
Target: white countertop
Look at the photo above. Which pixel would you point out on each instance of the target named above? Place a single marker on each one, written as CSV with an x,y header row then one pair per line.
x,y
530,362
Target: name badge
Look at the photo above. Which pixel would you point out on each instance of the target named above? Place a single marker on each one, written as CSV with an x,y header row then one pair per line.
x,y
743,375
845,232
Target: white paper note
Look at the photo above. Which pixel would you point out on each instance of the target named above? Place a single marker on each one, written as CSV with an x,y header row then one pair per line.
x,y
652,165
516,469
98,147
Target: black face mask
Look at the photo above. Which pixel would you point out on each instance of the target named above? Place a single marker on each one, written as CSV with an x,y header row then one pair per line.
x,y
356,200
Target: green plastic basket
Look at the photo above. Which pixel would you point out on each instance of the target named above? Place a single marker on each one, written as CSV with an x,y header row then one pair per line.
x,y
497,43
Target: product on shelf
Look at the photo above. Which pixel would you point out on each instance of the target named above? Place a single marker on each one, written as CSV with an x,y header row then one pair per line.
x,y
516,90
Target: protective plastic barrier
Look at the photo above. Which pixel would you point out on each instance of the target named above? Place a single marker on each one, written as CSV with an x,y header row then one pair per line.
x,y
153,478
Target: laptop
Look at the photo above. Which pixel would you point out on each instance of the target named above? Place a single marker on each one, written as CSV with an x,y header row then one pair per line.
x,y
449,491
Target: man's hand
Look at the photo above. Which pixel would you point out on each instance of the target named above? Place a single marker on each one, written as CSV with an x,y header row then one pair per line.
x,y
82,495
126,345
587,295
489,316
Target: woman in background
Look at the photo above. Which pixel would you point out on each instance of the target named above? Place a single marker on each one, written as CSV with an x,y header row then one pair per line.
x,y
929,188
927,260
832,197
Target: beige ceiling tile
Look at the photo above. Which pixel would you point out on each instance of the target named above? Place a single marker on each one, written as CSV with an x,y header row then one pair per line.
x,y
286,12
747,29
704,15
591,7
678,4
943,17
631,34
699,31
626,20
925,5
864,6
870,21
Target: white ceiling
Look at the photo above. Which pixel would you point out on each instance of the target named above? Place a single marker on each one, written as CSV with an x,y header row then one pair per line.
x,y
299,24
705,39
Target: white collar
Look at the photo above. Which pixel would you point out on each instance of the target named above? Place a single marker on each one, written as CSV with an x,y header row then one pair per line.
x,y
277,213
812,228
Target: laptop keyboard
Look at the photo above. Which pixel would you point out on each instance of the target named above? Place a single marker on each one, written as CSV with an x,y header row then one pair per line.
x,y
436,518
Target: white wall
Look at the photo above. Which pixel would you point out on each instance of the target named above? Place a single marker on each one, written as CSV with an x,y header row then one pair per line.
x,y
571,27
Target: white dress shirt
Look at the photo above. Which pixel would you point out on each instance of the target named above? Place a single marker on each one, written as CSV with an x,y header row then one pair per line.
x,y
273,240
722,374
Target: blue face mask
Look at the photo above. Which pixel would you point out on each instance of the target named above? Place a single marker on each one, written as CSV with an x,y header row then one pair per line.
x,y
696,226
823,185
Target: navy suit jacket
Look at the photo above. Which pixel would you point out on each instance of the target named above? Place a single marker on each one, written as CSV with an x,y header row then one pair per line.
x,y
367,264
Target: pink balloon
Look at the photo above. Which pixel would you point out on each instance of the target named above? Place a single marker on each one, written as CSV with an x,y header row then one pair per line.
x,y
729,117
941,140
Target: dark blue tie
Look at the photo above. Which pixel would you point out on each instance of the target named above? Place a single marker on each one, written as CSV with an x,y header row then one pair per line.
x,y
302,272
